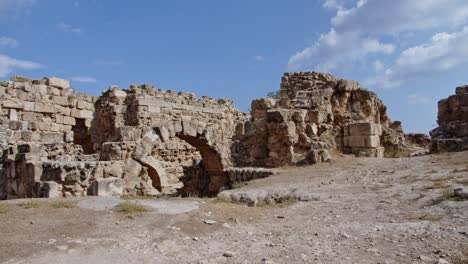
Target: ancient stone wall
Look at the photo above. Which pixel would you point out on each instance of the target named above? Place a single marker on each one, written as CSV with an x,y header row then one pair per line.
x,y
146,141
452,133
174,131
314,114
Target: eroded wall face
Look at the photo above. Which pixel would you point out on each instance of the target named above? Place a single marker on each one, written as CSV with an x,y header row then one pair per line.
x,y
145,141
452,132
315,114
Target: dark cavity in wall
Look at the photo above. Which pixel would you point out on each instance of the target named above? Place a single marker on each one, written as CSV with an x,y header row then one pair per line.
x,y
81,136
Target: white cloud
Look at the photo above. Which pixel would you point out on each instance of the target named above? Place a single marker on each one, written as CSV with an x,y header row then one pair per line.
x,y
8,42
69,28
15,7
8,64
443,52
259,58
332,50
417,99
396,16
362,30
84,79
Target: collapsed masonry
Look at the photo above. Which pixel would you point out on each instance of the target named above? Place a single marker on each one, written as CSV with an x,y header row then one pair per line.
x,y
452,133
145,141
316,113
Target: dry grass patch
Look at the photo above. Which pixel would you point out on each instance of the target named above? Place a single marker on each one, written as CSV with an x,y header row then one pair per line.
x,y
461,259
63,204
29,205
130,208
4,209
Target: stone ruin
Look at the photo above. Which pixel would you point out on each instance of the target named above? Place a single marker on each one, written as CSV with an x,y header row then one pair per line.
x,y
146,141
452,132
314,114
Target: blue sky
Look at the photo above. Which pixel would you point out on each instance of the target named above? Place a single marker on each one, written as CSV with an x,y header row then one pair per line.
x,y
411,53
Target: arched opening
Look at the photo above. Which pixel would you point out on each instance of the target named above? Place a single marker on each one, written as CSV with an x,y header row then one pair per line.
x,y
206,177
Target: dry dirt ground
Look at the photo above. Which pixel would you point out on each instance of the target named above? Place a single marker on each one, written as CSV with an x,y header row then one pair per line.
x,y
369,211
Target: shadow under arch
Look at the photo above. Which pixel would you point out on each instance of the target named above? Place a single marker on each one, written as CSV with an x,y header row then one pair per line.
x,y
212,163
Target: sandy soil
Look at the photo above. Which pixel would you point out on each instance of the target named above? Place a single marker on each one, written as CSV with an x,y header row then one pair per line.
x,y
369,211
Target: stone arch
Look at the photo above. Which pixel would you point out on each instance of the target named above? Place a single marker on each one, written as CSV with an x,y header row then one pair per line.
x,y
212,161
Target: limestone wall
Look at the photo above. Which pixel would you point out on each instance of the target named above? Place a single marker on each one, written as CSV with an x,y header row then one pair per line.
x,y
316,113
452,132
147,141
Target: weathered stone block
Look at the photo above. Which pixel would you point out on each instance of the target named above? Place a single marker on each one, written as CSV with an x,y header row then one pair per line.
x,y
57,82
362,141
28,106
84,105
60,100
43,108
365,129
69,120
52,137
107,187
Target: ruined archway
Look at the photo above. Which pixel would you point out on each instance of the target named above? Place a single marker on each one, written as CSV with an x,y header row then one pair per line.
x,y
215,178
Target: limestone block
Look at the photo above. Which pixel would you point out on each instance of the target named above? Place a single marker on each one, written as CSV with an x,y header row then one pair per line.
x,y
13,115
27,136
54,127
263,104
277,116
84,105
132,167
12,103
59,119
28,106
348,85
62,110
362,141
114,170
315,116
365,129
43,108
52,137
69,120
50,189
59,83
107,187
60,100
15,125
69,136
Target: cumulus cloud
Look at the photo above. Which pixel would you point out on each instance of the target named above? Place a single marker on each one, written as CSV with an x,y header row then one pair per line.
x,y
15,7
69,28
417,99
443,52
8,42
84,79
370,31
334,49
393,17
8,64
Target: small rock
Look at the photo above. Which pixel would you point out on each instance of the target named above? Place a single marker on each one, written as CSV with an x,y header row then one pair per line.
x,y
62,247
210,222
424,258
442,261
228,254
195,239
